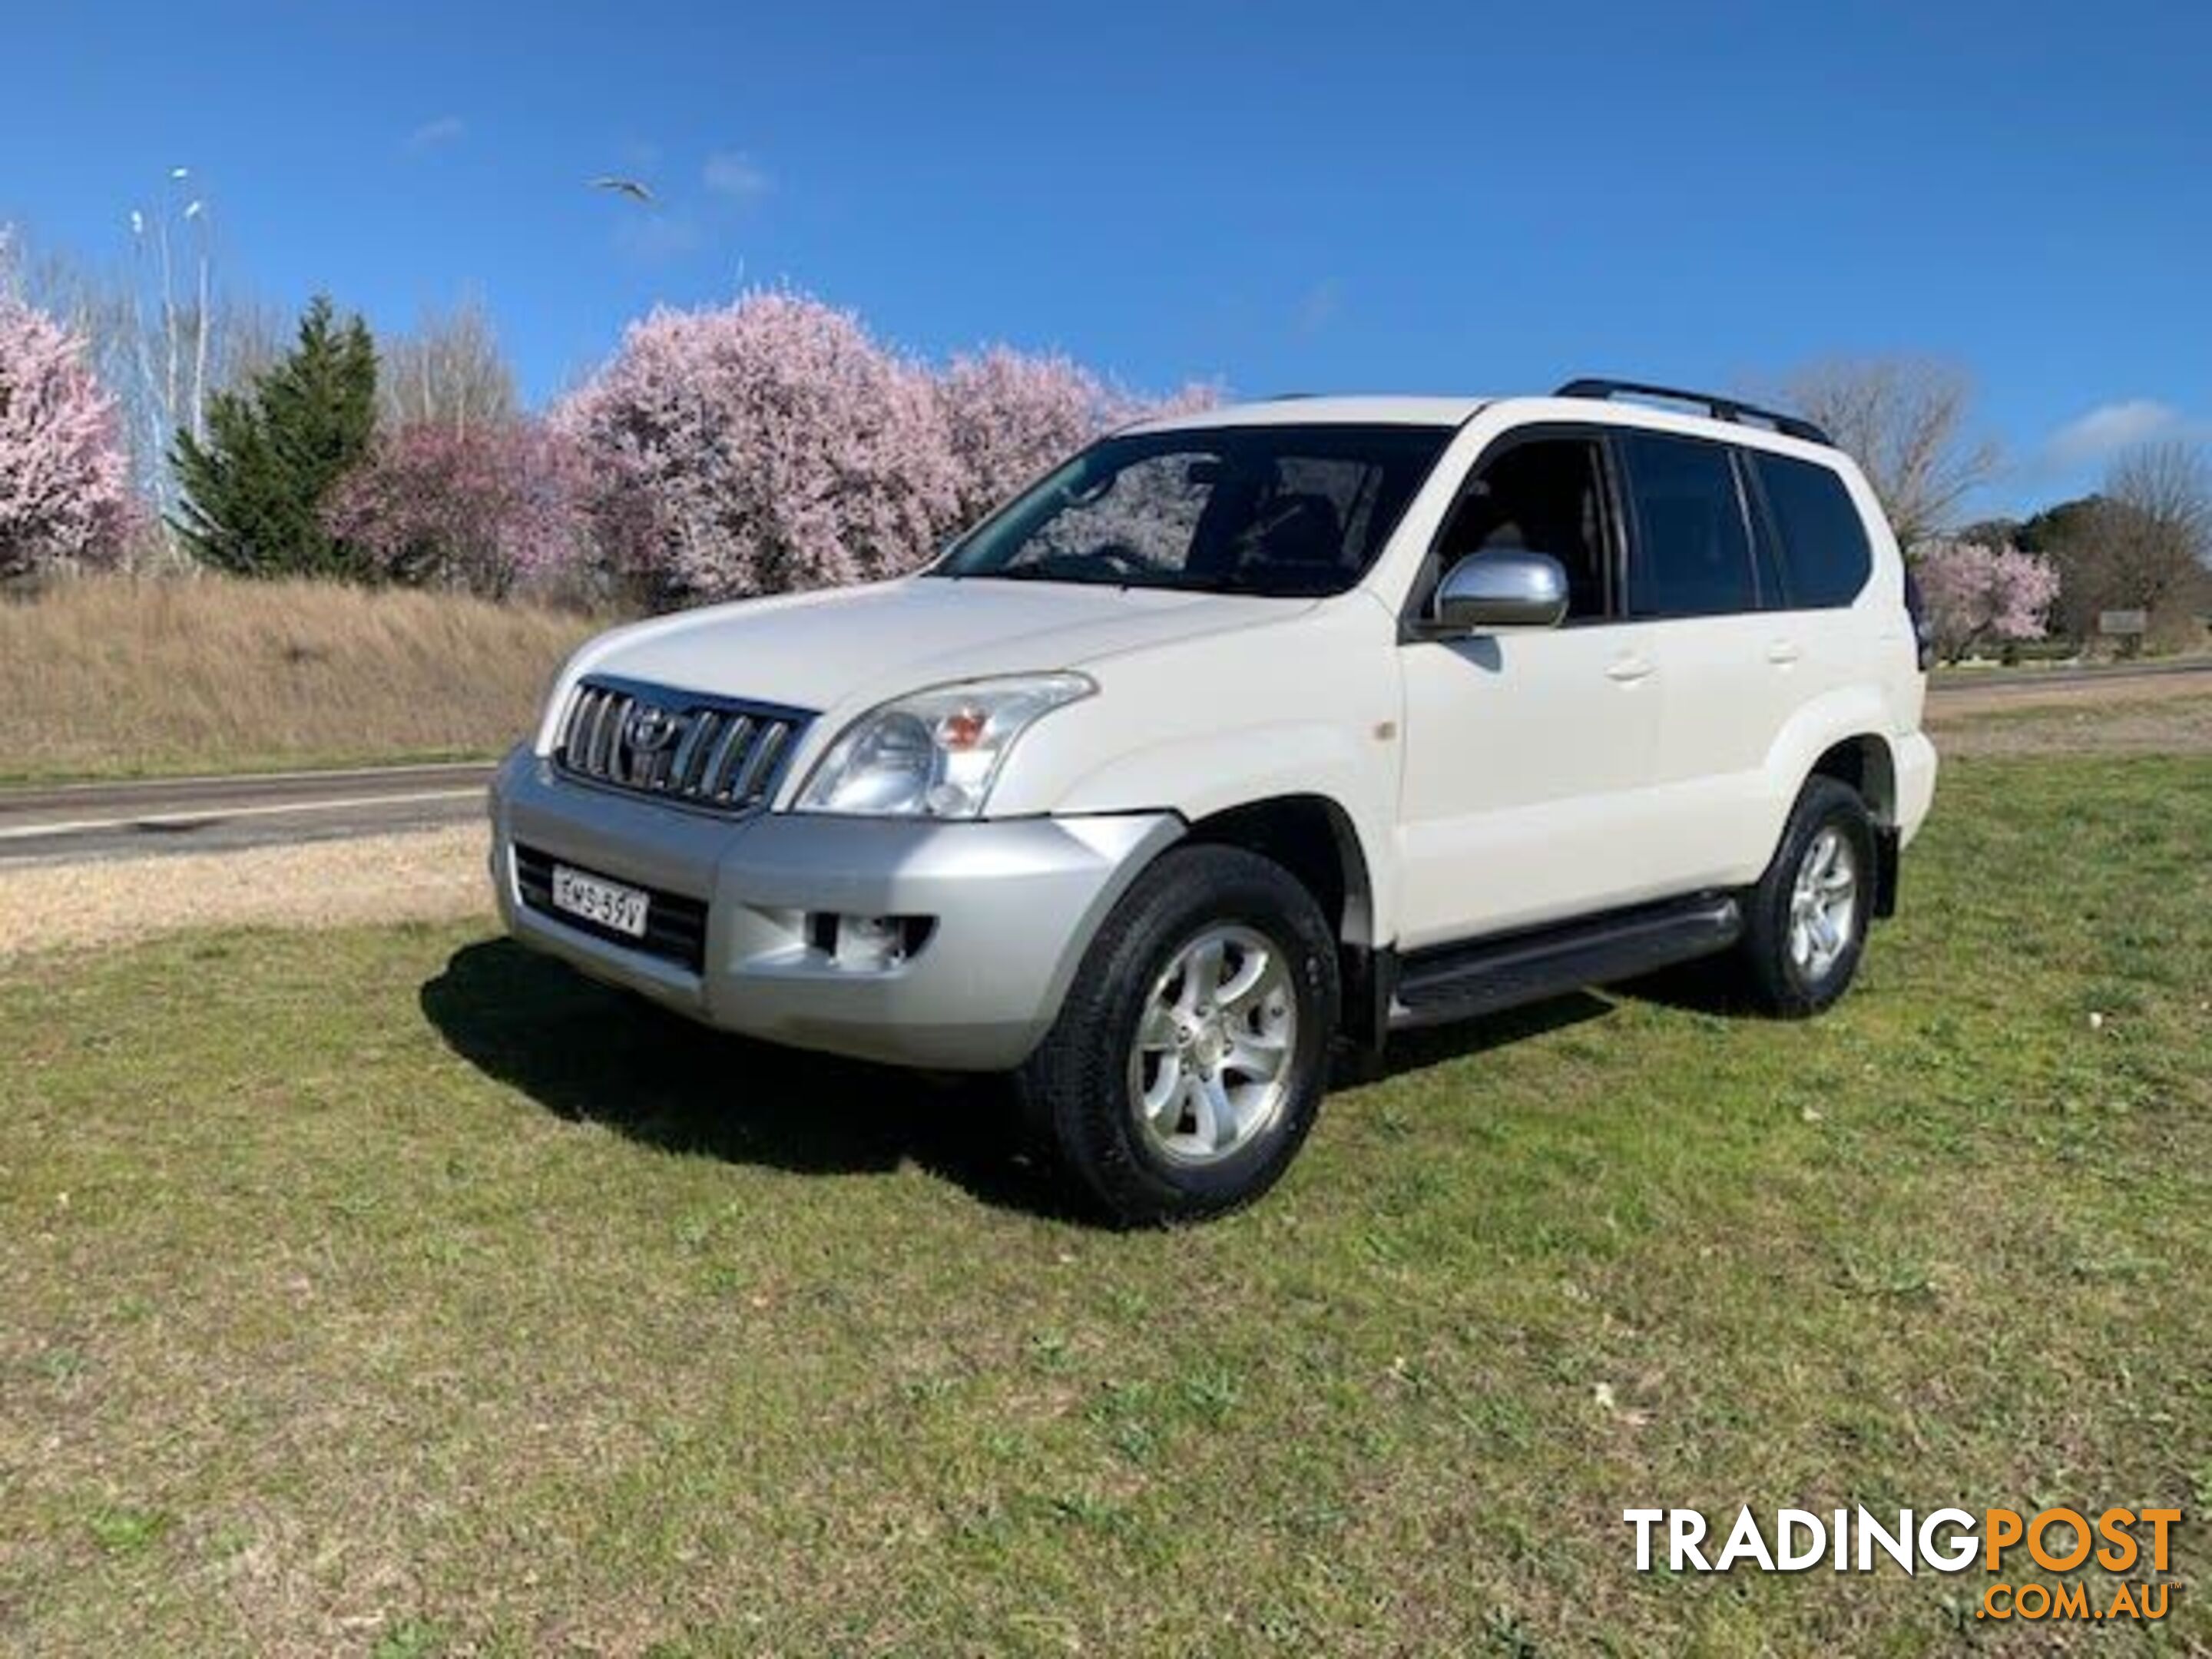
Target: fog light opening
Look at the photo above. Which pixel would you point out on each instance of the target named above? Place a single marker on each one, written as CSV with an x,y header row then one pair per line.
x,y
868,944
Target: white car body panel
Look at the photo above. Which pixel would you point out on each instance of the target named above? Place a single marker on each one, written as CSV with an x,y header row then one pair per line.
x,y
1527,757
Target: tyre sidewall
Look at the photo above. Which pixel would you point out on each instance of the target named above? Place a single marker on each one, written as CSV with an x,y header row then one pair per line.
x,y
1093,1116
1825,804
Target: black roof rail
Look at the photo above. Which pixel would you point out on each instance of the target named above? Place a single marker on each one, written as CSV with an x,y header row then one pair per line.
x,y
1721,409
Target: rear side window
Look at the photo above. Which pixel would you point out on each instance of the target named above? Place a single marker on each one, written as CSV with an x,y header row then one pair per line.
x,y
1691,555
1823,540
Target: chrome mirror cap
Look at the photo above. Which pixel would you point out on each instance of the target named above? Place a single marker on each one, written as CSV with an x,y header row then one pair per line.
x,y
1500,590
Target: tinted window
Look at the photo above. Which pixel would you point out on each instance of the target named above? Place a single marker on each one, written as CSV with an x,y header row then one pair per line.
x,y
1692,556
1543,495
1824,541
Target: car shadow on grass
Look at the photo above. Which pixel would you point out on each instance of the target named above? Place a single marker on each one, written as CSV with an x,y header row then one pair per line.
x,y
1709,985
1427,1046
588,1053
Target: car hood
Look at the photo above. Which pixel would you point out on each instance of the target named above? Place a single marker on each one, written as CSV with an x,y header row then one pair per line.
x,y
861,644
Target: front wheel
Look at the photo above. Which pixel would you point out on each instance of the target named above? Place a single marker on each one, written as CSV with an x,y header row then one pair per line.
x,y
1191,1056
1805,924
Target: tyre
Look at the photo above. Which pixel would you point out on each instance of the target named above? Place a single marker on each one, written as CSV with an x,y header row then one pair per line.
x,y
1805,923
1190,1059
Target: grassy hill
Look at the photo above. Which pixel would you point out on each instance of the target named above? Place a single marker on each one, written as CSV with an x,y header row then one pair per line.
x,y
120,677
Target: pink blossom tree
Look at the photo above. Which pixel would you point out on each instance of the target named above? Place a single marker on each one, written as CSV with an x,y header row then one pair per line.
x,y
65,473
488,508
1010,416
770,445
1976,593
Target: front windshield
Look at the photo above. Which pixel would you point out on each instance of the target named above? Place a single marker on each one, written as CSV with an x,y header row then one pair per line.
x,y
1287,511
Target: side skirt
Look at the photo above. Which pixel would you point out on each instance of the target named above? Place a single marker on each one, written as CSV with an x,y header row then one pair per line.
x,y
1449,982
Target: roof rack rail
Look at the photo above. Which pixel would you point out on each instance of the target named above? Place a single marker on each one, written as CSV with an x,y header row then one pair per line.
x,y
1721,409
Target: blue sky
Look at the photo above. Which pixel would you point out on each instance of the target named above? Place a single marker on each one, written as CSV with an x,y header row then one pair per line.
x,y
1373,196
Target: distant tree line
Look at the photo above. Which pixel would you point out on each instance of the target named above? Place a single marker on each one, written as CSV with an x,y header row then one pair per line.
x,y
2141,543
773,443
766,445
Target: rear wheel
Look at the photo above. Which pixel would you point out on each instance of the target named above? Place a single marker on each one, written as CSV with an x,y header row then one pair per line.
x,y
1191,1056
1805,923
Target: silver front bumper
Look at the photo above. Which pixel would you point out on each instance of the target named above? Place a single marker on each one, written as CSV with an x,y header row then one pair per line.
x,y
1012,906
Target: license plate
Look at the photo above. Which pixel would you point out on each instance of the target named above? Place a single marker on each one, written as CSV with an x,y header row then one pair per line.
x,y
609,904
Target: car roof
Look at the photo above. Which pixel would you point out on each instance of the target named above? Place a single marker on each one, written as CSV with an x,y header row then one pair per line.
x,y
1386,410
1331,410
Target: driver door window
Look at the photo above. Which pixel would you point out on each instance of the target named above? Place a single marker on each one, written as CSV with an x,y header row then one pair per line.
x,y
1542,495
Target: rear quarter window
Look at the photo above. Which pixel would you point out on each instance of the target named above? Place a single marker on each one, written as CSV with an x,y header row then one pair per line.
x,y
1824,541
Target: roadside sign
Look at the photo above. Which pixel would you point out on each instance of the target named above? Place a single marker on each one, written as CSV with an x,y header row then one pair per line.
x,y
2124,622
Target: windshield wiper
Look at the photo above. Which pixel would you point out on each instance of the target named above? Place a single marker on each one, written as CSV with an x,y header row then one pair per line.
x,y
1264,584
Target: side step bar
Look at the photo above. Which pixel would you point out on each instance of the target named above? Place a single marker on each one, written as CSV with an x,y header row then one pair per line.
x,y
1459,981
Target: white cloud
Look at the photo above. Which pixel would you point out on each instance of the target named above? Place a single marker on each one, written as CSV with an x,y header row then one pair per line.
x,y
735,175
436,134
2109,427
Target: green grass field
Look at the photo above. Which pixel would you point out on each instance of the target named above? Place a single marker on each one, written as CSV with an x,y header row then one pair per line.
x,y
389,1292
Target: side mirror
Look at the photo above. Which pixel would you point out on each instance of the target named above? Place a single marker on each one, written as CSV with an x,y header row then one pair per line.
x,y
1485,592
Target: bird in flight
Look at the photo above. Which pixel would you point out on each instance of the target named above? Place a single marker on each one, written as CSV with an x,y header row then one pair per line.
x,y
630,187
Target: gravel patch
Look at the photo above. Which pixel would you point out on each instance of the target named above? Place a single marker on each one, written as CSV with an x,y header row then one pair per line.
x,y
430,875
2152,717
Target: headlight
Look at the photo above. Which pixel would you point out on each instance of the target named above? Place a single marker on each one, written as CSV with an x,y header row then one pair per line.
x,y
935,754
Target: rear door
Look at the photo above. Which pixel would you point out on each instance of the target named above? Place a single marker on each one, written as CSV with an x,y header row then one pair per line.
x,y
1700,580
1822,622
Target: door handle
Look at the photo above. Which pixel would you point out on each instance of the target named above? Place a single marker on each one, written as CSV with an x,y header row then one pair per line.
x,y
1784,651
1626,670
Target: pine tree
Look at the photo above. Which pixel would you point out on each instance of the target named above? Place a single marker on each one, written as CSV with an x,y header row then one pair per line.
x,y
253,492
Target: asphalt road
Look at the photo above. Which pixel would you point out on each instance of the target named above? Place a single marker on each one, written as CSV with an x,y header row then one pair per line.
x,y
179,815
107,820
1984,680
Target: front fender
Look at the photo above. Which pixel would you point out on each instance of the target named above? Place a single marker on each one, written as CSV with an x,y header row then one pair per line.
x,y
1202,773
1311,706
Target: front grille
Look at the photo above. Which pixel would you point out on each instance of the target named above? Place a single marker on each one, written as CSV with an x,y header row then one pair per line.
x,y
680,746
675,926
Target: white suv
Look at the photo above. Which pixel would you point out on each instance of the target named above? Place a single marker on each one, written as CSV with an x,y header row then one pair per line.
x,y
1248,731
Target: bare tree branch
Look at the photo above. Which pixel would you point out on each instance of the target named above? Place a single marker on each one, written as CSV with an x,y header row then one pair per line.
x,y
1908,423
449,371
2152,529
162,334
2168,485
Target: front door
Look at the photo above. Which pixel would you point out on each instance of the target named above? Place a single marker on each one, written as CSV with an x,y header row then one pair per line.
x,y
1529,755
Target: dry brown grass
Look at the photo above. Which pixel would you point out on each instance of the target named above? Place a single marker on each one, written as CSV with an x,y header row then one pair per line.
x,y
115,677
2130,717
